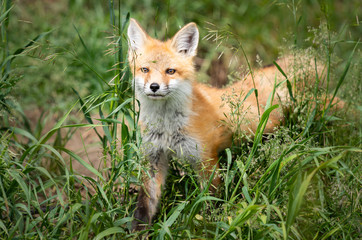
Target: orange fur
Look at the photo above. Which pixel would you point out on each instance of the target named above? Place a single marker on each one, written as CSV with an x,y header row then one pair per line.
x,y
184,116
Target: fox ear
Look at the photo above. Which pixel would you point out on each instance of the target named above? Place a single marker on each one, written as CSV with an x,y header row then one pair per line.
x,y
136,35
186,40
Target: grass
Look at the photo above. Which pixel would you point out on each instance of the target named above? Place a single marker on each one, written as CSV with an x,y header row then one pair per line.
x,y
303,182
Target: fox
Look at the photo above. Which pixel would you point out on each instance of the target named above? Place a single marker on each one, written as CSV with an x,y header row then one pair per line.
x,y
181,118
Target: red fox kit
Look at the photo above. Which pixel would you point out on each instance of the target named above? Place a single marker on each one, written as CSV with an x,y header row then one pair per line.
x,y
180,117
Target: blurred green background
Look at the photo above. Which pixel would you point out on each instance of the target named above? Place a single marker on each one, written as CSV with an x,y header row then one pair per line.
x,y
56,64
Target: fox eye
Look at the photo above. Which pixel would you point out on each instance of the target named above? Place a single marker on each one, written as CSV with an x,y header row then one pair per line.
x,y
145,70
170,71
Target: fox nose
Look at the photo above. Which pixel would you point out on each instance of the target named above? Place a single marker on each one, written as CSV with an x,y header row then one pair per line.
x,y
154,87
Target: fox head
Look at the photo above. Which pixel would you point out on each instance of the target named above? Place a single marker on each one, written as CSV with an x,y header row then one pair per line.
x,y
162,70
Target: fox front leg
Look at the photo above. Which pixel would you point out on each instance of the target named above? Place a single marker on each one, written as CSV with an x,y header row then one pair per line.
x,y
150,194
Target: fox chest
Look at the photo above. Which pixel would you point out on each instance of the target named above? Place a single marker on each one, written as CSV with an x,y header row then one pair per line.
x,y
165,136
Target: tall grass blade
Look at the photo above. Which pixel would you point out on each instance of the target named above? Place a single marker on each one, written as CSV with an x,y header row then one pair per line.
x,y
241,218
121,106
170,221
343,76
259,132
257,140
85,164
3,227
310,121
86,113
5,15
19,51
82,42
300,188
106,130
24,133
289,85
109,231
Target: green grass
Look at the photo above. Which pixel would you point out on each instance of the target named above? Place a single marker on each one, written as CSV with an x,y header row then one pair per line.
x,y
303,182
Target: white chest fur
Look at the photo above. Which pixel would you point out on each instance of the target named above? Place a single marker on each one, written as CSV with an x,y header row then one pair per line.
x,y
164,123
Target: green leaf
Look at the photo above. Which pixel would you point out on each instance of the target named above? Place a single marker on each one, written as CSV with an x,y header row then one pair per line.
x,y
241,218
5,14
343,76
3,227
289,85
109,231
10,58
81,161
310,121
24,133
120,107
246,194
82,42
300,188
